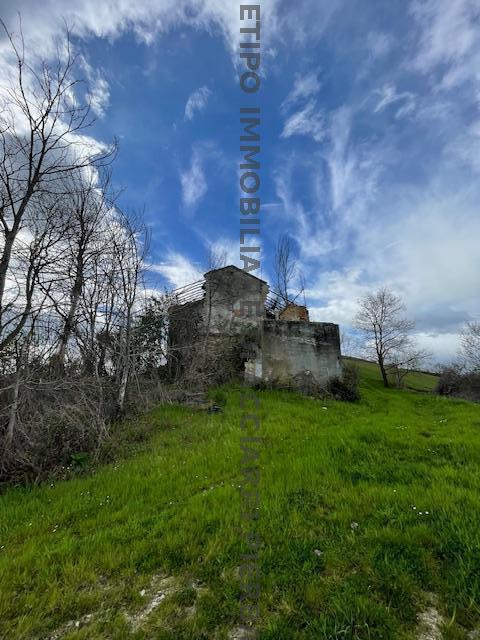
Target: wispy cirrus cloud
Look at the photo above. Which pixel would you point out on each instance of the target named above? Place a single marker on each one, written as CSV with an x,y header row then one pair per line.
x,y
388,96
193,180
98,94
177,270
449,40
309,121
197,102
304,86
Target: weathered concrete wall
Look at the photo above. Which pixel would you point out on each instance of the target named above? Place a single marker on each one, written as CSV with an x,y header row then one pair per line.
x,y
234,301
293,349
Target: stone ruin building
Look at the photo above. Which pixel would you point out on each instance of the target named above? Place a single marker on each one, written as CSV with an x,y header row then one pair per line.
x,y
229,320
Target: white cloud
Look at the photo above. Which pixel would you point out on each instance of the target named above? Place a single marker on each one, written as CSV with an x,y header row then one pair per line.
x,y
99,92
304,86
388,96
309,121
193,180
419,241
147,19
449,38
443,346
177,270
339,185
334,296
99,96
354,168
435,260
227,248
197,102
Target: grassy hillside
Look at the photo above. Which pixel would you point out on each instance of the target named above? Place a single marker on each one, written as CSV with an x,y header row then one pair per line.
x,y
369,515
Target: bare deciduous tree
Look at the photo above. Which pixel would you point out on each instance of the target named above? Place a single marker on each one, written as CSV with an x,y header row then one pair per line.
x,y
404,362
286,270
40,122
470,346
86,209
129,243
384,328
71,285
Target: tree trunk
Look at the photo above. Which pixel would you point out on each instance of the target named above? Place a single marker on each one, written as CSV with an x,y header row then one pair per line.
x,y
12,421
383,372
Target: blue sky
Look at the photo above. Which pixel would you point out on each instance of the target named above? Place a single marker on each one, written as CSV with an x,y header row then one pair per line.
x,y
370,139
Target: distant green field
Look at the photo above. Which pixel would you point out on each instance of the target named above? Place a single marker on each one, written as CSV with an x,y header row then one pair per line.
x,y
369,516
415,380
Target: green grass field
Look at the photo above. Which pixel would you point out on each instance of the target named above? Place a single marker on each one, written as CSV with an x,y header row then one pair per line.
x,y
369,514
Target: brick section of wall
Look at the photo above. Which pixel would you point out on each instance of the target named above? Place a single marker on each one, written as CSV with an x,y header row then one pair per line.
x,y
294,312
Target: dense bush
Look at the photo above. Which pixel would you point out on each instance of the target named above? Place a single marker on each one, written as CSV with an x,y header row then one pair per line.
x,y
63,423
345,387
456,381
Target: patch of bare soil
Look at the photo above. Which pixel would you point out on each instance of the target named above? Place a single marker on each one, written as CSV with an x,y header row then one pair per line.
x,y
242,633
160,588
70,626
430,623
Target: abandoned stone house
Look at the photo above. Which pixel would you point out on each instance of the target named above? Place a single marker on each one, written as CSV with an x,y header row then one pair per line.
x,y
230,318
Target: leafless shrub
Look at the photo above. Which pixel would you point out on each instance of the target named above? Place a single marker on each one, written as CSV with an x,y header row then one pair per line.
x,y
458,381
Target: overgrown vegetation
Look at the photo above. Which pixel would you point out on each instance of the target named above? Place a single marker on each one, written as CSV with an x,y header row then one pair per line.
x,y
458,382
346,387
368,511
80,345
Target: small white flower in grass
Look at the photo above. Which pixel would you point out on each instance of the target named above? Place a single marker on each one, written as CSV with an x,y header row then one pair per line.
x,y
324,408
354,525
414,508
317,552
143,592
427,513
